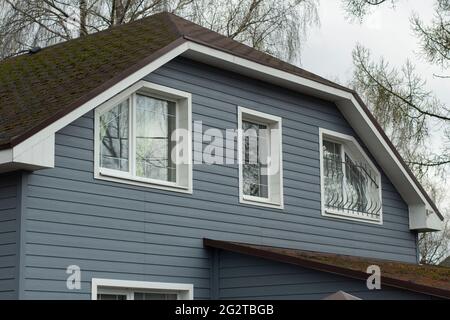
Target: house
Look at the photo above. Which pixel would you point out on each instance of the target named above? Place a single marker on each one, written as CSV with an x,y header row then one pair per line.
x,y
123,176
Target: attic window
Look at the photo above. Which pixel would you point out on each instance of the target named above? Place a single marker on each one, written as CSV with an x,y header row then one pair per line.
x,y
351,184
142,137
260,159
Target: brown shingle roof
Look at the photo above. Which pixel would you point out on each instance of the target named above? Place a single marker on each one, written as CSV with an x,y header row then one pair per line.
x,y
37,89
431,280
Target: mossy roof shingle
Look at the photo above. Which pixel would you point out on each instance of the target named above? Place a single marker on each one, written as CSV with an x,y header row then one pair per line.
x,y
37,87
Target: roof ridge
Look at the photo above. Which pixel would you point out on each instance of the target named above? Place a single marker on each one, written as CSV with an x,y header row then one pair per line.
x,y
171,19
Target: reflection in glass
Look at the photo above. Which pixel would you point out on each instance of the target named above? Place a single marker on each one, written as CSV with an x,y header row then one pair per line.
x,y
255,155
155,122
114,138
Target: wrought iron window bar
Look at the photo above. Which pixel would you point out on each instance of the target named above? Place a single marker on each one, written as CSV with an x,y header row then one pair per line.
x,y
354,190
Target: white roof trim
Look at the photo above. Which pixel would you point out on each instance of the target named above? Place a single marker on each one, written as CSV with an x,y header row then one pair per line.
x,y
345,101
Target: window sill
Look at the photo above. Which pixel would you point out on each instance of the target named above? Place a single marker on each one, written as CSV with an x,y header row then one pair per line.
x,y
119,177
353,217
262,202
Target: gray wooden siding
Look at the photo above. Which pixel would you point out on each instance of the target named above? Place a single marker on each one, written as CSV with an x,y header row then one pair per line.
x,y
119,231
243,277
9,233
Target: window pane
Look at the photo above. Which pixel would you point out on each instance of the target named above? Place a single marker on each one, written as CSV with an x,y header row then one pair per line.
x,y
106,296
255,155
154,296
356,185
155,122
333,174
114,141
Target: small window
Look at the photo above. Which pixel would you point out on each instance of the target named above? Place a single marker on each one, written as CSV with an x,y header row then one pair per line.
x,y
143,137
350,181
105,293
106,289
155,295
260,158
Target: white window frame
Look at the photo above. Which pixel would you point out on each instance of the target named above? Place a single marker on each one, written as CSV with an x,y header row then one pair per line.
x,y
350,145
183,102
275,182
184,291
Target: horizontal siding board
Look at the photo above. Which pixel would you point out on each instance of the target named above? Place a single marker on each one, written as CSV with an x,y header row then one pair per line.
x,y
165,216
166,224
163,203
195,214
8,260
9,215
74,193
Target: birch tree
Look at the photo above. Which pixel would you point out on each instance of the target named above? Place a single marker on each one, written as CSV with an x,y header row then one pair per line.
x,y
406,109
275,26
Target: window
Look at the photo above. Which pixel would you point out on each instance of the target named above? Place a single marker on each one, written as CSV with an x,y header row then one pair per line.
x,y
108,289
260,158
351,184
143,137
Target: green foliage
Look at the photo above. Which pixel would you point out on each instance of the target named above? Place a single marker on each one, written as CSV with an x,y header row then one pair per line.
x,y
435,38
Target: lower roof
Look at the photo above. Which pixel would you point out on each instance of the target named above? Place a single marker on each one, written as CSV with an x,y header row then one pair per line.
x,y
430,280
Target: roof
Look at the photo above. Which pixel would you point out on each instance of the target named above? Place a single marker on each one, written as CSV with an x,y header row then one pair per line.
x,y
446,262
38,89
341,295
430,280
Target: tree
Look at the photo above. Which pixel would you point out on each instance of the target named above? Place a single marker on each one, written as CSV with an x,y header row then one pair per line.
x,y
405,109
398,98
433,246
435,39
360,8
274,26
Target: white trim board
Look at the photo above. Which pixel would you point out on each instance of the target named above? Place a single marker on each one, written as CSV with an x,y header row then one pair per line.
x,y
345,101
184,290
274,181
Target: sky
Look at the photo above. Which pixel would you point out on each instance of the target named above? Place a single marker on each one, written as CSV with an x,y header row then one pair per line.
x,y
386,32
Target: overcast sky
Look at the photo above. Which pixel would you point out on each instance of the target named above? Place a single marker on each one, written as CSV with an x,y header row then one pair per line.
x,y
386,32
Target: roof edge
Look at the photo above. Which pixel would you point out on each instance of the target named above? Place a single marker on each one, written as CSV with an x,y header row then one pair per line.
x,y
397,154
323,267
